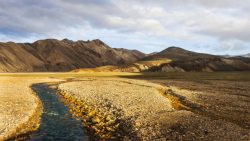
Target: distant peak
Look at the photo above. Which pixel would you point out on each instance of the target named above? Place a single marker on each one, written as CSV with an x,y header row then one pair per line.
x,y
10,42
174,48
46,40
124,49
67,40
98,42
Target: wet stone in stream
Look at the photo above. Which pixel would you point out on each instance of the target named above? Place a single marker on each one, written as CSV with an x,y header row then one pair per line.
x,y
56,122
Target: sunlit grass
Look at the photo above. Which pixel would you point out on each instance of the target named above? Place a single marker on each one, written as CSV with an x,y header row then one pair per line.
x,y
70,74
156,62
232,76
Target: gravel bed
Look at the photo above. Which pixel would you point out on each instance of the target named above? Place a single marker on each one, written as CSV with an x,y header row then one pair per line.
x,y
20,108
145,113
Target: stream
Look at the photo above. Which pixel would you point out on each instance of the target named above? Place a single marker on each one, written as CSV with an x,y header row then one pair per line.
x,y
56,121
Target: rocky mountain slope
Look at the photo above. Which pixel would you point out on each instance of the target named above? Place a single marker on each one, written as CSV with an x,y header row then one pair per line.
x,y
246,55
188,61
177,53
67,55
175,59
62,55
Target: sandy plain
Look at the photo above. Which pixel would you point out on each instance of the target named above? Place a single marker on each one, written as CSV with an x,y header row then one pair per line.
x,y
169,107
166,111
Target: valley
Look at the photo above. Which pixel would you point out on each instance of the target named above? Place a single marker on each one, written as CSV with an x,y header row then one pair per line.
x,y
85,90
180,106
124,70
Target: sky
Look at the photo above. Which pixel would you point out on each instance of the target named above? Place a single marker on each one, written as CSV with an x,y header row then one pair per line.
x,y
209,26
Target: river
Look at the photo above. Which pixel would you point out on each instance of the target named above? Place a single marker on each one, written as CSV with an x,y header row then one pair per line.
x,y
56,121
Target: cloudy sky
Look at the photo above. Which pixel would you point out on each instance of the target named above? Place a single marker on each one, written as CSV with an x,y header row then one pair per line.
x,y
211,26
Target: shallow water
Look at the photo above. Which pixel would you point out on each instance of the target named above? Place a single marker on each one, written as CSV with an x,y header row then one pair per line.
x,y
56,122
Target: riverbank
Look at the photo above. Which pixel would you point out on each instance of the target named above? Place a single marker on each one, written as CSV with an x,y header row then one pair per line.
x,y
20,108
56,121
118,108
141,110
122,109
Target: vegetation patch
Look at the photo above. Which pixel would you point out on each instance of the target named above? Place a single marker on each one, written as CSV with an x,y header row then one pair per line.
x,y
98,124
176,103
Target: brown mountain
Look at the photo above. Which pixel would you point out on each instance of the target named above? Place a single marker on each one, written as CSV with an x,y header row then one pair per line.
x,y
184,60
246,55
62,55
176,59
177,53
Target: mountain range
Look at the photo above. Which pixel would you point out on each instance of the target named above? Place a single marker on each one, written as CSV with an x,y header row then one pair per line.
x,y
176,59
187,61
246,55
62,55
52,55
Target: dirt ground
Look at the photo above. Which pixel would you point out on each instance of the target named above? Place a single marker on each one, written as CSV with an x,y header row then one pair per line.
x,y
225,104
20,108
186,110
148,109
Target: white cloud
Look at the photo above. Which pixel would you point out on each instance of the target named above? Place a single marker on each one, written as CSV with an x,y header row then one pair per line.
x,y
219,24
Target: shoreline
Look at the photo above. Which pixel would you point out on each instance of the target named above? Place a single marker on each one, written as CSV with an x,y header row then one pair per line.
x,y
98,124
23,130
104,119
118,108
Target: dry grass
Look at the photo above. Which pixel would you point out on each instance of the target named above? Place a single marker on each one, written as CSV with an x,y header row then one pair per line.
x,y
139,66
176,103
69,74
157,62
194,76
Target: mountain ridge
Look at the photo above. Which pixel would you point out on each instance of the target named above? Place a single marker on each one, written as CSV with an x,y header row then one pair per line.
x,y
61,55
177,53
52,55
188,61
246,55
176,59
